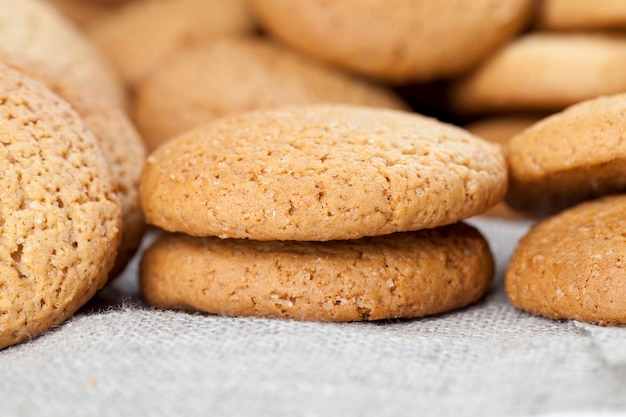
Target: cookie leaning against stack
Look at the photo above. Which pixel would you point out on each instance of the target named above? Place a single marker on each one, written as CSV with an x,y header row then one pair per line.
x,y
291,180
60,217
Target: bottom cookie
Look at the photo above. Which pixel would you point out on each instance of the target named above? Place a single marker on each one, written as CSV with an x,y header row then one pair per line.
x,y
400,275
573,265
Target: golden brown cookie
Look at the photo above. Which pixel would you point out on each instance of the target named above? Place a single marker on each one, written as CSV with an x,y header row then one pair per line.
x,y
569,157
320,173
572,266
59,214
544,72
395,40
120,142
34,31
143,34
499,129
83,12
581,14
400,275
245,74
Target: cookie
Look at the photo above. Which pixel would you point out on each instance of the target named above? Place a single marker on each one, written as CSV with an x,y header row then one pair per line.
x,y
401,275
320,172
499,129
572,266
395,41
83,12
246,74
143,34
581,15
121,145
34,31
543,72
569,157
59,213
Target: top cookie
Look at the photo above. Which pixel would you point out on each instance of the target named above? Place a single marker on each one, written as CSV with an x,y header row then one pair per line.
x,y
59,214
320,173
569,157
395,40
544,72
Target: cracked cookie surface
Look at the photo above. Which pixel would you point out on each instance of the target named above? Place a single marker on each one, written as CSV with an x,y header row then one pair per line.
x,y
59,214
320,173
569,157
573,265
400,275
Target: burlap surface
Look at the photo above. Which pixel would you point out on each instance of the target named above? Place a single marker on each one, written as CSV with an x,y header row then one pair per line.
x,y
119,357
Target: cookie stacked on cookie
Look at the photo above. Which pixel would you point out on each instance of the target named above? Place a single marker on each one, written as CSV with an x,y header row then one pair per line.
x,y
323,212
571,265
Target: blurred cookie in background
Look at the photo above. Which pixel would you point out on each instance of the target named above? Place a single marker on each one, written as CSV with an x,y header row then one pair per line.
x,y
543,72
395,41
143,34
582,15
35,32
235,75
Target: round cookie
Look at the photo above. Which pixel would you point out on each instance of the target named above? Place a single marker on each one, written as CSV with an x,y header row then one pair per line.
x,y
121,145
544,72
143,34
581,15
569,157
246,74
572,266
59,213
395,40
35,32
401,275
320,172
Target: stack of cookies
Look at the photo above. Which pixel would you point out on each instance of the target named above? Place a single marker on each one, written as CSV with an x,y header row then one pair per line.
x,y
324,212
571,265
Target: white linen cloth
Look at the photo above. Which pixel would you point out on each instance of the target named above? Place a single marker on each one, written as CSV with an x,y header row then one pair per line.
x,y
120,357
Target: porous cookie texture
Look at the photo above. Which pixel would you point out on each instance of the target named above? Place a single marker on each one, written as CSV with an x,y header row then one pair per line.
x,y
59,215
34,31
398,40
544,71
145,33
400,275
569,157
246,74
119,141
581,15
320,173
573,265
